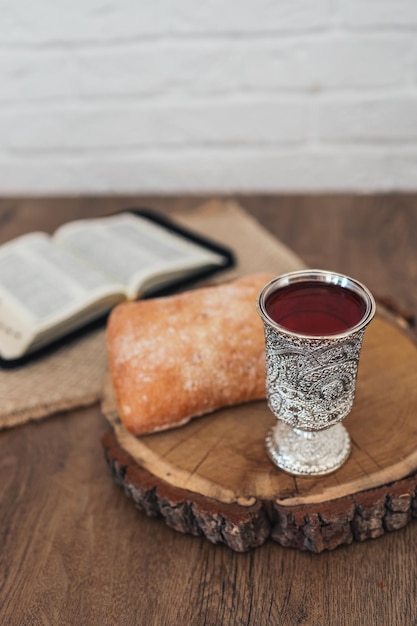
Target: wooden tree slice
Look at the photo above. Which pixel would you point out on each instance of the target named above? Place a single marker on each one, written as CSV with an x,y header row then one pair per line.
x,y
212,477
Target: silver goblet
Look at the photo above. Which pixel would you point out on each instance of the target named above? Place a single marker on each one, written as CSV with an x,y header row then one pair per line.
x,y
314,323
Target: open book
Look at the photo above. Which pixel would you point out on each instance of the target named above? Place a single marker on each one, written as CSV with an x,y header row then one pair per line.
x,y
52,285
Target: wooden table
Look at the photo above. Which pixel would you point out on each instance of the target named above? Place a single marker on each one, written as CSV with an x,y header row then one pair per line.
x,y
74,550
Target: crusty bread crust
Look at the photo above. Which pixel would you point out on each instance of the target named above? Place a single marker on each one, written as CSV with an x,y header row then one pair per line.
x,y
174,358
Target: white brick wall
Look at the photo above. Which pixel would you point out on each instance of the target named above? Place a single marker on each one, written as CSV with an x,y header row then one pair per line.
x,y
183,96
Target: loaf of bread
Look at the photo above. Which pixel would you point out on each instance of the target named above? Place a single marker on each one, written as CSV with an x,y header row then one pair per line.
x,y
178,357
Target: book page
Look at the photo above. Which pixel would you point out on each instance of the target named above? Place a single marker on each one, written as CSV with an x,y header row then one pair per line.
x,y
43,285
45,280
131,249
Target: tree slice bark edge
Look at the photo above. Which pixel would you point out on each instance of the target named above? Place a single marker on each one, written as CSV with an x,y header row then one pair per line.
x,y
311,527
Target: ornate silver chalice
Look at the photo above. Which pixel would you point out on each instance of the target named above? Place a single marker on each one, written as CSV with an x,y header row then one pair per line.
x,y
314,323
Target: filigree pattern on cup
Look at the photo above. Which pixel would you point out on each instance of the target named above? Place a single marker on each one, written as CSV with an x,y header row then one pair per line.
x,y
311,384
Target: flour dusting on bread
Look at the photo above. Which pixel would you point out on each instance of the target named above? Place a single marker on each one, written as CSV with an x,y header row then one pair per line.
x,y
178,357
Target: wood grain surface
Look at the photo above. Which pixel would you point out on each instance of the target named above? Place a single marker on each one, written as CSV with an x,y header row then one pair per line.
x,y
74,550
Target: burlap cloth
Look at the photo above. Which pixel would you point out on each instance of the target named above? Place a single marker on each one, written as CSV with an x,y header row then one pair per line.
x,y
73,375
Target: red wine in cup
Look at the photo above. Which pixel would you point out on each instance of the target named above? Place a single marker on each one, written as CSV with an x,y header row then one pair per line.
x,y
315,308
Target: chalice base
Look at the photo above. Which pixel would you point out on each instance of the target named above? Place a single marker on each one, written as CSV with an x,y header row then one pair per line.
x,y
308,453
